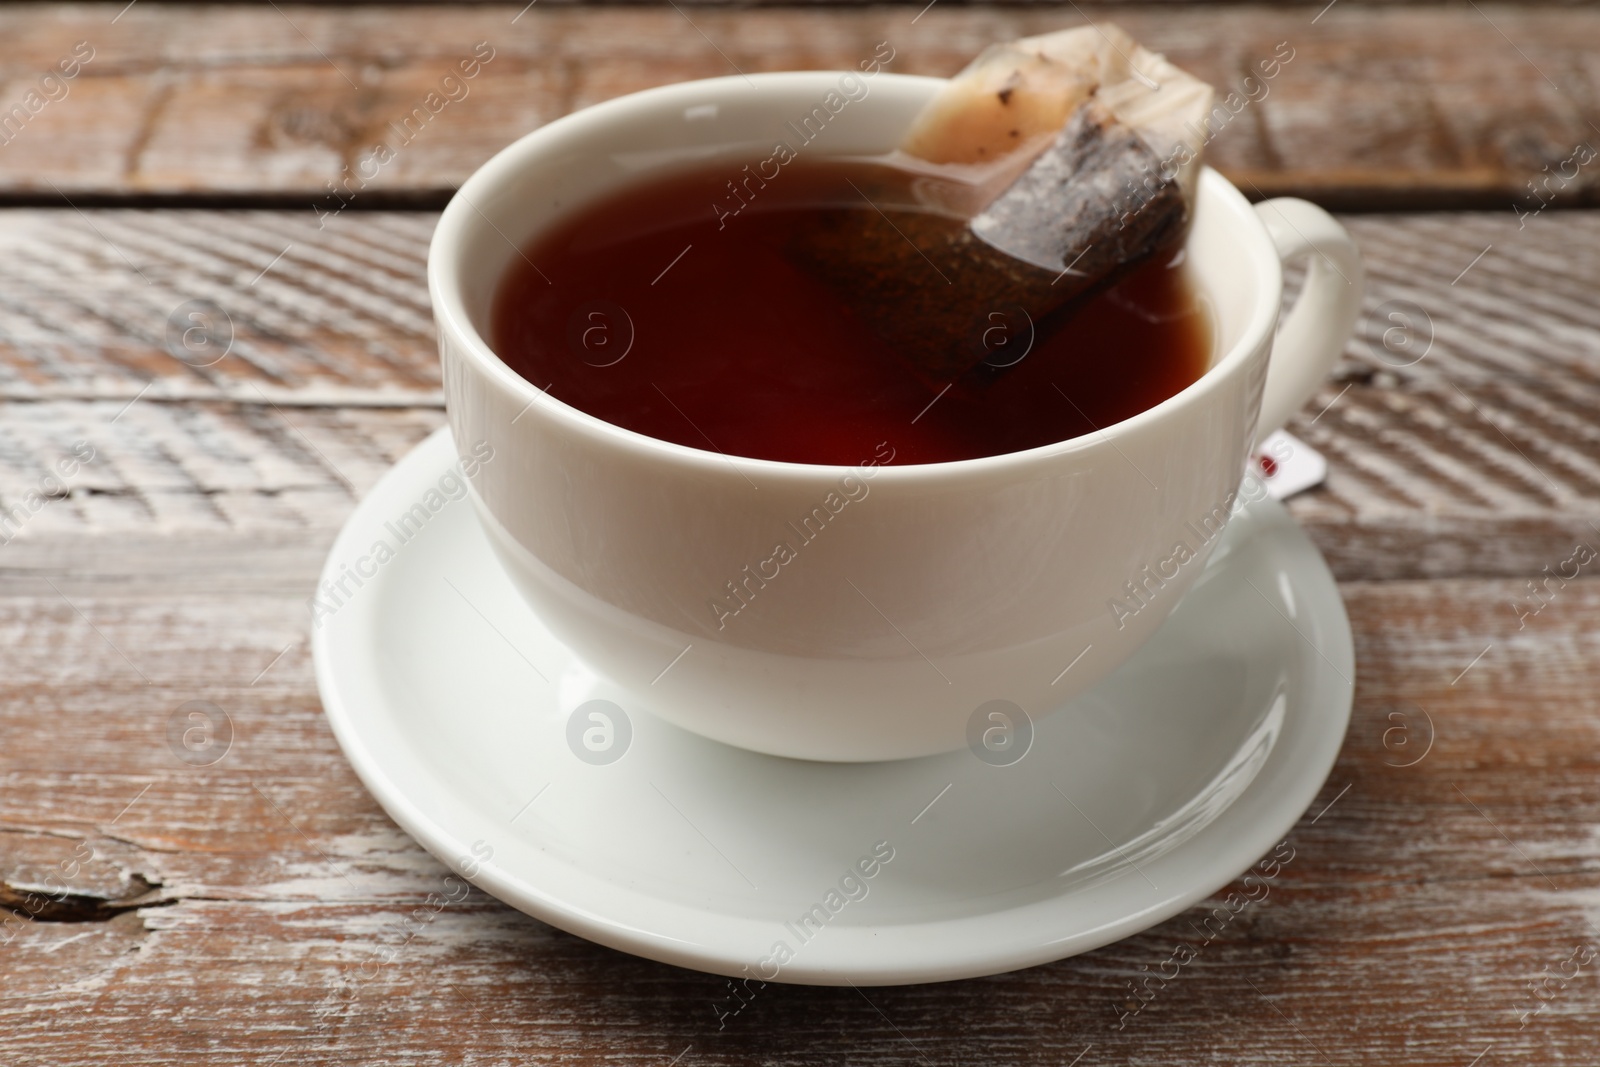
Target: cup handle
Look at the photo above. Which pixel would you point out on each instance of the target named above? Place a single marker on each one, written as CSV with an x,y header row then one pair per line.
x,y
1316,328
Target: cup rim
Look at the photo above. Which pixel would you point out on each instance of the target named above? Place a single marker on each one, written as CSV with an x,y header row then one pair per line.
x,y
445,255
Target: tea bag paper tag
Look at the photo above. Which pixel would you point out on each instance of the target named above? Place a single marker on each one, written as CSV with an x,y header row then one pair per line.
x,y
1287,465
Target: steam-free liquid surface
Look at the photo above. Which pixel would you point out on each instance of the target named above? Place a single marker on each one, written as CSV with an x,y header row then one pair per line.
x,y
661,310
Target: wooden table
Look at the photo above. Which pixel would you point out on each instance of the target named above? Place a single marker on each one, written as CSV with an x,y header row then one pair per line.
x,y
1445,886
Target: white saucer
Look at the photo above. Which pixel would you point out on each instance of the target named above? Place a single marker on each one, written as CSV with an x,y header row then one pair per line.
x,y
1133,802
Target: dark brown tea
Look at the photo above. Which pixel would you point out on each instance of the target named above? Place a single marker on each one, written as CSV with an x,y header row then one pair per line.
x,y
685,309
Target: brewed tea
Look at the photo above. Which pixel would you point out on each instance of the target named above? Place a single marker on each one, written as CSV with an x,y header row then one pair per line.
x,y
690,308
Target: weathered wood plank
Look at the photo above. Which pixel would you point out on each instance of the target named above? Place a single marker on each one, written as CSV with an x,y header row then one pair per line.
x,y
253,911
1464,403
194,467
1389,104
96,304
1311,6
275,892
1461,435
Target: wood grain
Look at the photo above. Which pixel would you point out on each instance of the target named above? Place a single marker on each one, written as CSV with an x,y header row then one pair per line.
x,y
260,903
263,910
1311,6
1466,444
1387,105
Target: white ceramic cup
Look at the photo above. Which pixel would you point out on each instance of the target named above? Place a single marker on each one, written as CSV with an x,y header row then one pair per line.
x,y
925,592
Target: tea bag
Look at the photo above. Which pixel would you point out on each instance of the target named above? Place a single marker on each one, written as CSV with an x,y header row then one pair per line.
x,y
1044,172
